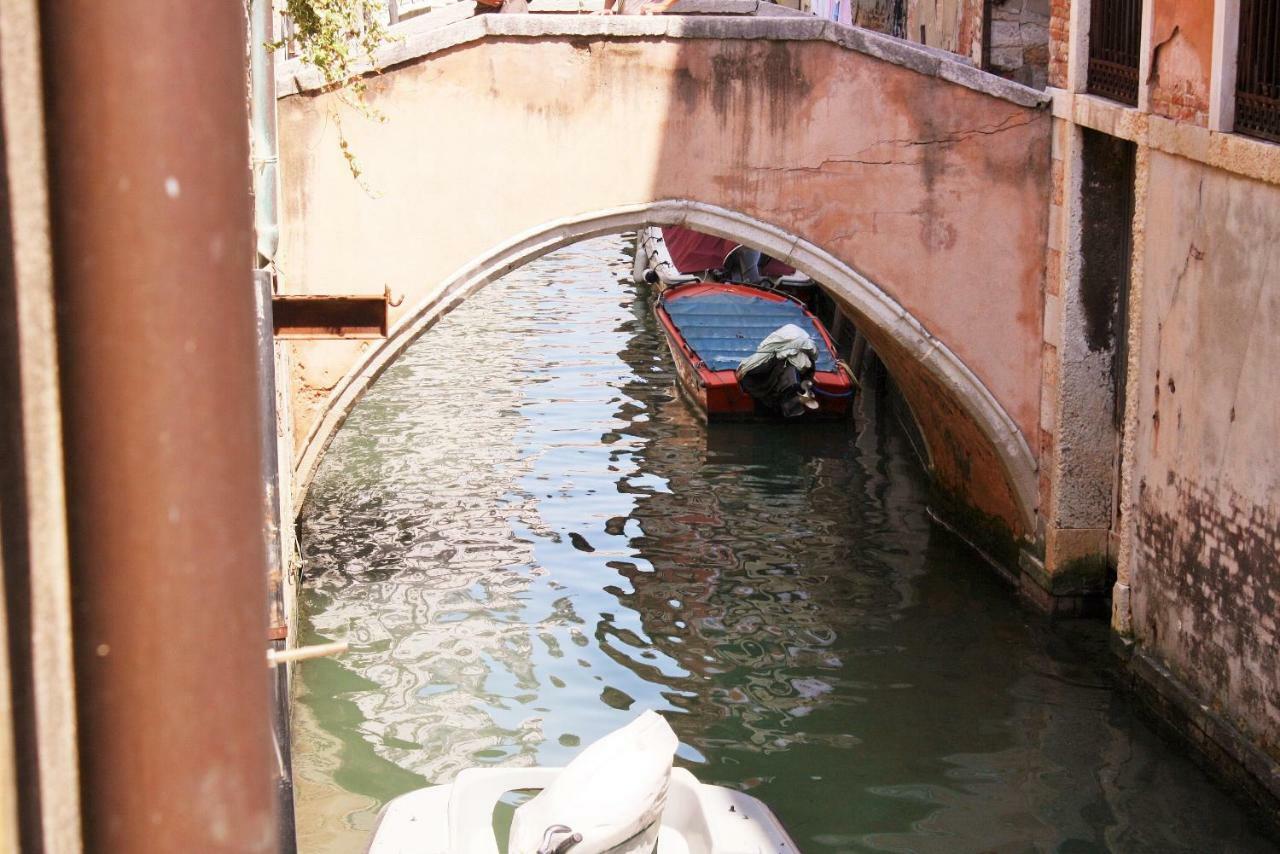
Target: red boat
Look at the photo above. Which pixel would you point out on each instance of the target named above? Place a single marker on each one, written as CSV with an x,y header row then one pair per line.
x,y
713,326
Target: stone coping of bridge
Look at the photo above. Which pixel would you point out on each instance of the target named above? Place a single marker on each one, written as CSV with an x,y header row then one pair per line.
x,y
421,37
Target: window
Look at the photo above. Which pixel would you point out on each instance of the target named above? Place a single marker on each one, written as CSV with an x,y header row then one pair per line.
x,y
1258,70
1115,37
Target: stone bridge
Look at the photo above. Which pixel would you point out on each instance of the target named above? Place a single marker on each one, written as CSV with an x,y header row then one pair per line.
x,y
914,187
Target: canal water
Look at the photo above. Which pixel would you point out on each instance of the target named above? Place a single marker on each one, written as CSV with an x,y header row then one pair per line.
x,y
527,539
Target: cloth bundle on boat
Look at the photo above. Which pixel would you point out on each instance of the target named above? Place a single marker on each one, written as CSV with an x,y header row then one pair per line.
x,y
788,343
779,373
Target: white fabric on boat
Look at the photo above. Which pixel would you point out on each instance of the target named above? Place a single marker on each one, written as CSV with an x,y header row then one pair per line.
x,y
788,342
612,793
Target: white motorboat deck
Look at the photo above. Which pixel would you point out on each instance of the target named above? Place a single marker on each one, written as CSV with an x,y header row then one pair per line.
x,y
457,818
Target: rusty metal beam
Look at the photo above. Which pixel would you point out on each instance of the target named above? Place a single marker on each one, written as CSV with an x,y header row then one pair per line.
x,y
153,247
311,316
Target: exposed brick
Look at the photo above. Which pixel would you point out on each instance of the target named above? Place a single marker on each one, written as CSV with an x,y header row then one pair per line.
x,y
1049,365
1046,471
1180,102
1059,38
1203,593
1053,272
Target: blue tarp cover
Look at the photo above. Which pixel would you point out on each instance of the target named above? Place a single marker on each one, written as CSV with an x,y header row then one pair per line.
x,y
724,328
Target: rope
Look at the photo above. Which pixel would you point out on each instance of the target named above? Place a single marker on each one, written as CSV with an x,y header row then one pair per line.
x,y
852,379
817,390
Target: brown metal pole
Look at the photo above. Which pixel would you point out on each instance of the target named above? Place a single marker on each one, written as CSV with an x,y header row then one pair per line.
x,y
153,248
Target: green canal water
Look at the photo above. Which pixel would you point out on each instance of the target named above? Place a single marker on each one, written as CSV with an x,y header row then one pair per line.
x,y
527,539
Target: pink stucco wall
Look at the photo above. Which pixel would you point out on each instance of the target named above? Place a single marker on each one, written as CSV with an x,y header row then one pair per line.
x,y
1205,571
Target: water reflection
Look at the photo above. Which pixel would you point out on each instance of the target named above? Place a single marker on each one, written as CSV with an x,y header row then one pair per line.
x,y
528,538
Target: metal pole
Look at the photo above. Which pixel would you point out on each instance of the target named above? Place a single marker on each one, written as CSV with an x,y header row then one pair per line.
x,y
262,114
278,618
153,244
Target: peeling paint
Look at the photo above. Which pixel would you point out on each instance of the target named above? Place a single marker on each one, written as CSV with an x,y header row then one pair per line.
x,y
1209,604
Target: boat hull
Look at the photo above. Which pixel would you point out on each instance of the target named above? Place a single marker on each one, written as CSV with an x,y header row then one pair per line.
x,y
713,388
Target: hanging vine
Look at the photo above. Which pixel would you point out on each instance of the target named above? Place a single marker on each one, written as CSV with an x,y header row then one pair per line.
x,y
339,38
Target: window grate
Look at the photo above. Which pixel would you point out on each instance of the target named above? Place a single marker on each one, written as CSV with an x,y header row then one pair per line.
x,y
1258,70
1115,38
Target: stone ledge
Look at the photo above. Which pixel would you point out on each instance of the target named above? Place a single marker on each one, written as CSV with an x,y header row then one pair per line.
x,y
682,7
1226,750
466,8
425,35
1058,595
1231,152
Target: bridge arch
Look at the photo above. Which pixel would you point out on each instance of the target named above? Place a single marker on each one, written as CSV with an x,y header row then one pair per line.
x,y
964,426
914,186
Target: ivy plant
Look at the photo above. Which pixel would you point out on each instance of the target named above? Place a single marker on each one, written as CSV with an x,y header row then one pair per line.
x,y
338,38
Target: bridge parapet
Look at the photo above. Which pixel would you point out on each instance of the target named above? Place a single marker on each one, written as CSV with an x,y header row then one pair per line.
x,y
422,37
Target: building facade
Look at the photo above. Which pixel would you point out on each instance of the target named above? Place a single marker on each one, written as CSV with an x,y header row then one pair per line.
x,y
1161,333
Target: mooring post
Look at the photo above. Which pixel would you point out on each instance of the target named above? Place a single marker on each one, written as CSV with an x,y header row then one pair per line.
x,y
153,249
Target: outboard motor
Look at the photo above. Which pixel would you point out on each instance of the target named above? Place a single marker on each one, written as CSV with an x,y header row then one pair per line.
x,y
779,374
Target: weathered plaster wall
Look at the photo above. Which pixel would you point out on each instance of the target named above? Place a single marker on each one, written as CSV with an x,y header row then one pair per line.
x,y
1181,59
952,25
1019,41
1204,573
935,191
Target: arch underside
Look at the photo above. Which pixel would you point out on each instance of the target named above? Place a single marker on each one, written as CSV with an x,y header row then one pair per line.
x,y
977,452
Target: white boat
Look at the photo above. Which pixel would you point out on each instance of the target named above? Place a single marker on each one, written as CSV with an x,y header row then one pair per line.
x,y
618,794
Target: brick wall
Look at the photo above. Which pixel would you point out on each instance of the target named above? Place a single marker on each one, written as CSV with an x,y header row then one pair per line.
x,y
1181,101
1059,37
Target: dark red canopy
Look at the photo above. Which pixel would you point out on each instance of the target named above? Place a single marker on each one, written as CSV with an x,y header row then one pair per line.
x,y
692,252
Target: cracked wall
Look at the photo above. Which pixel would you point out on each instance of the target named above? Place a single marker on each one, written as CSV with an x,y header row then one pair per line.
x,y
1204,571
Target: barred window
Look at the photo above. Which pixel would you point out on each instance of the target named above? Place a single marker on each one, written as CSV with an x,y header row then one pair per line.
x,y
1258,70
1115,38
